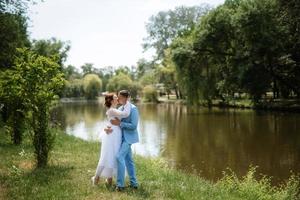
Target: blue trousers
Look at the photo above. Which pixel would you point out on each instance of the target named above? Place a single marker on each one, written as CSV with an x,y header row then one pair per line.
x,y
124,158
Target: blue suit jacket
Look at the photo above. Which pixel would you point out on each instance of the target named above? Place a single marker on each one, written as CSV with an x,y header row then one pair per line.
x,y
129,126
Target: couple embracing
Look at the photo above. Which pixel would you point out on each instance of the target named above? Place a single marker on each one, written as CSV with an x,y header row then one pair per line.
x,y
117,138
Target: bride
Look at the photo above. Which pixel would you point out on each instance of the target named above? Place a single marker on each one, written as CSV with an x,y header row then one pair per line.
x,y
111,142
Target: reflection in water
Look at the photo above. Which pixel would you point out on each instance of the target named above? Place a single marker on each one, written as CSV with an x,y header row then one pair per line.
x,y
203,141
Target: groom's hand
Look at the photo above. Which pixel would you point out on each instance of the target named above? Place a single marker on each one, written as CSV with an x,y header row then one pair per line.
x,y
115,122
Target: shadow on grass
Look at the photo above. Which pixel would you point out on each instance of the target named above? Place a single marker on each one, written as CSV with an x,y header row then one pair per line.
x,y
44,183
139,193
48,175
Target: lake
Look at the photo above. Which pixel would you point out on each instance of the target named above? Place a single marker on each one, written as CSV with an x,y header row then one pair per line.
x,y
201,141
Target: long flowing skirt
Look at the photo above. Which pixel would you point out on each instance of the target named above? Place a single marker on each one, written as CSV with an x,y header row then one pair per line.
x,y
107,165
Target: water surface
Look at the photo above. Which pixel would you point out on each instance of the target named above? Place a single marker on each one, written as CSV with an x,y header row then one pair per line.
x,y
202,141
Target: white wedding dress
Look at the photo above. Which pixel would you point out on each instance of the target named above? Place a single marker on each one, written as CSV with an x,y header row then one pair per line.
x,y
111,143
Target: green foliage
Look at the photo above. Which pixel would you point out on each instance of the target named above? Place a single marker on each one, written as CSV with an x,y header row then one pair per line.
x,y
33,82
51,48
13,34
167,25
168,75
187,66
87,68
71,72
123,70
42,80
92,85
241,46
143,67
73,88
135,90
12,97
119,82
149,78
104,73
15,6
150,94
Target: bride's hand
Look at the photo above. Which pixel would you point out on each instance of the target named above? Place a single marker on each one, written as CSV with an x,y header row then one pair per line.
x,y
108,130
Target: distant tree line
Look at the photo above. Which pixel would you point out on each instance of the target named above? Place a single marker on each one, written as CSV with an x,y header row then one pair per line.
x,y
248,47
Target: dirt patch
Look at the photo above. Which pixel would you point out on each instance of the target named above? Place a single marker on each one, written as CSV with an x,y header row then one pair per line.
x,y
3,192
26,165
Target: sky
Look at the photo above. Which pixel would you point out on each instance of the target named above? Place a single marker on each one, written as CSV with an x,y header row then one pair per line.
x,y
102,32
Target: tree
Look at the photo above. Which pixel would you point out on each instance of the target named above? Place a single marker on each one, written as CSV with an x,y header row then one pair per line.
x,y
92,85
13,35
167,25
15,6
87,68
150,94
71,72
52,47
73,88
36,79
144,66
186,61
233,48
290,19
123,69
119,82
135,89
167,74
11,87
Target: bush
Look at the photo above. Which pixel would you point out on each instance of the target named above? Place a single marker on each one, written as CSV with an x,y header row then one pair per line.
x,y
92,85
150,94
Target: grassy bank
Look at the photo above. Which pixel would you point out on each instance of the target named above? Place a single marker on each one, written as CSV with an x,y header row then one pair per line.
x,y
73,162
292,105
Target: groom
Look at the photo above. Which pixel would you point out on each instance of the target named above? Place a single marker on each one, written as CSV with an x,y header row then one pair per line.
x,y
129,137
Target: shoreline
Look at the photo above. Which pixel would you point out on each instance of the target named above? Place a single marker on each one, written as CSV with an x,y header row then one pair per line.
x,y
73,161
289,106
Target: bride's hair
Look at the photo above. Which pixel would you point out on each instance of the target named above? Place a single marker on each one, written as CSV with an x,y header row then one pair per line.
x,y
108,99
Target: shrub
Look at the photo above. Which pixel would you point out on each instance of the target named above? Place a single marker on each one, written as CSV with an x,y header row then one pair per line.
x,y
150,94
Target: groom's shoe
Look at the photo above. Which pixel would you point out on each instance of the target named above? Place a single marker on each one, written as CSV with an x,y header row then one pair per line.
x,y
120,189
133,187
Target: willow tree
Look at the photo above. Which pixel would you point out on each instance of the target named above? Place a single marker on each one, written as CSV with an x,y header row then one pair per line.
x,y
92,85
290,19
119,82
187,66
240,46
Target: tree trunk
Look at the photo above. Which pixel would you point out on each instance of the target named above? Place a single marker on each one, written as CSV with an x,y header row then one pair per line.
x,y
176,92
42,143
17,123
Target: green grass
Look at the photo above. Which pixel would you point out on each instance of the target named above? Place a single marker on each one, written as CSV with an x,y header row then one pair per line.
x,y
73,162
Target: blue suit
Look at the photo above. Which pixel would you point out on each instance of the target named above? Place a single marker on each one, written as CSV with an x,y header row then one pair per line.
x,y
124,157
